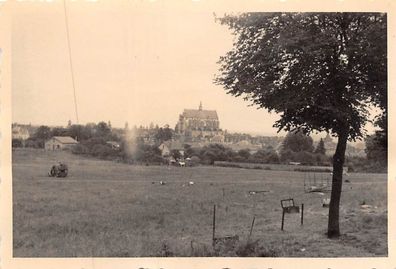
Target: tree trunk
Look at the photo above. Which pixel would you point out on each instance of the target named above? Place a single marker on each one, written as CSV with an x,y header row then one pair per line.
x,y
338,164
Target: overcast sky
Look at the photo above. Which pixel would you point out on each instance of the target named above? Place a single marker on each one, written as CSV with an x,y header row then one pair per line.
x,y
135,62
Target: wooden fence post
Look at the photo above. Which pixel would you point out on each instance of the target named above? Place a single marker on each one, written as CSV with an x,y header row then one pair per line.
x,y
283,218
214,225
302,214
251,227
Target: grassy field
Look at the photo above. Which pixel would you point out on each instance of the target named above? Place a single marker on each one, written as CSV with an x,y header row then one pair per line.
x,y
112,209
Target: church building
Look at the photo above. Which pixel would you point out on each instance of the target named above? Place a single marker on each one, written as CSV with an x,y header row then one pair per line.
x,y
199,125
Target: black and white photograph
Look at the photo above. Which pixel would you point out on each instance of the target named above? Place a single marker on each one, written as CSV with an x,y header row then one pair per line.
x,y
155,129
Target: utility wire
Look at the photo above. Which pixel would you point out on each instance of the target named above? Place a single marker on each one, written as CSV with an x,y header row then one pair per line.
x,y
70,59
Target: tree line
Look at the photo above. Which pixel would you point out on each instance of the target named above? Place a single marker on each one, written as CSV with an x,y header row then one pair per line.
x,y
296,147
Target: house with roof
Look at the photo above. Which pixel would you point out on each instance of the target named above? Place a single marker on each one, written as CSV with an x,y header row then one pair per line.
x,y
20,132
60,143
168,146
245,144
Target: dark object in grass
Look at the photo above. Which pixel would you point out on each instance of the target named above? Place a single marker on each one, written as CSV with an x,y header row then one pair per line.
x,y
58,170
326,202
289,207
255,192
347,181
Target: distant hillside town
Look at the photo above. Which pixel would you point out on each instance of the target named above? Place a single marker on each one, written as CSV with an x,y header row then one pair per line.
x,y
197,134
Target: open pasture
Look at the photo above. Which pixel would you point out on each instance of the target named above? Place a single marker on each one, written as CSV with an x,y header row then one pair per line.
x,y
109,209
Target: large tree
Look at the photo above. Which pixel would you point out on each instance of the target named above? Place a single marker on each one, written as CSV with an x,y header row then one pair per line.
x,y
297,142
319,71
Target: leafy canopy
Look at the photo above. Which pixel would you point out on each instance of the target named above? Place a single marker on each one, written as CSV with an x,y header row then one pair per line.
x,y
319,71
297,142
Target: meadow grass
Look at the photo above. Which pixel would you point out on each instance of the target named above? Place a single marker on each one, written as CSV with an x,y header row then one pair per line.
x,y
108,209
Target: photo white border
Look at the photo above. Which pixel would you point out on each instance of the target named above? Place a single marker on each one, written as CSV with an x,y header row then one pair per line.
x,y
218,6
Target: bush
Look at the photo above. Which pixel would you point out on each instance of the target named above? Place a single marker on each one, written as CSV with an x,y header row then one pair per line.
x,y
215,152
32,143
305,157
264,156
102,151
322,160
80,149
361,164
148,154
287,156
17,143
195,160
272,157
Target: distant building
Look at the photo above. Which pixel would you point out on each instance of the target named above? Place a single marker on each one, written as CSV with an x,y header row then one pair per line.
x,y
20,132
60,143
199,125
245,144
167,147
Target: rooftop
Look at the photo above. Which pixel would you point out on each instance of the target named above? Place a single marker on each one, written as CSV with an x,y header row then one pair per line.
x,y
200,113
65,139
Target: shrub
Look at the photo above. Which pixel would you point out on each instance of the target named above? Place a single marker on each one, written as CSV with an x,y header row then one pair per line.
x,y
32,143
101,151
148,154
287,156
305,157
268,155
80,149
195,160
17,143
272,157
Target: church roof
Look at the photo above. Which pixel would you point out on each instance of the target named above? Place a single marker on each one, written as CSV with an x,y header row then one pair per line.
x,y
200,114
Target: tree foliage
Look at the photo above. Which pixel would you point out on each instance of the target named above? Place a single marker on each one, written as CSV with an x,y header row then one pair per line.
x,y
297,142
267,155
318,70
215,152
375,150
320,148
43,132
163,134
